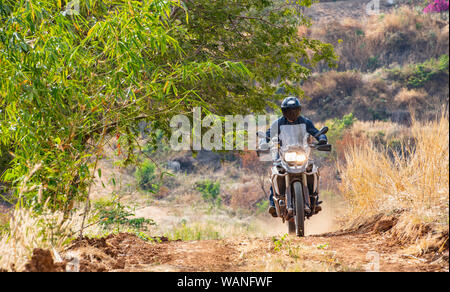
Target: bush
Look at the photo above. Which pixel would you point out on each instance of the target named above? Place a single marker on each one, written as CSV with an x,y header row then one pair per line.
x,y
262,206
332,83
5,159
337,129
146,176
419,75
412,97
402,36
113,215
247,196
437,6
210,191
426,71
194,231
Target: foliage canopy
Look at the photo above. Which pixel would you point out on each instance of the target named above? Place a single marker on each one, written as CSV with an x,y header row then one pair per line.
x,y
70,81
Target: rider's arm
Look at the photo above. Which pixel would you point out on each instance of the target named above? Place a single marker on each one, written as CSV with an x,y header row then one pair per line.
x,y
313,131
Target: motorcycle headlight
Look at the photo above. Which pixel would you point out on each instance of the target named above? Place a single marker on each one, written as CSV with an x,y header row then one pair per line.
x,y
301,158
290,156
295,157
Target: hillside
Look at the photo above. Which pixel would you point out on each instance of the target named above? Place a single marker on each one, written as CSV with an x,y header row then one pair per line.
x,y
390,64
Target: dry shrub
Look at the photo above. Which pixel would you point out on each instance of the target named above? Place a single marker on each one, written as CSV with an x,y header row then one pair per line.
x,y
257,174
246,196
336,30
346,82
230,169
332,83
347,36
328,178
411,97
162,192
319,86
403,36
249,160
29,231
390,23
188,198
406,30
250,191
418,181
373,100
252,165
302,31
389,129
423,236
349,139
375,86
331,94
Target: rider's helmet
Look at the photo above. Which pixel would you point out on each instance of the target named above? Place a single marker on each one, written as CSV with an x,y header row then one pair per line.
x,y
291,108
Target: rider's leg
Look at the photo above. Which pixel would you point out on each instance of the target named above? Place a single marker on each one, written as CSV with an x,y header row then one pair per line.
x,y
272,210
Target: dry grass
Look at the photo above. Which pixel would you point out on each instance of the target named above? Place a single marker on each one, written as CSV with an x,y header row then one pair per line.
x,y
246,196
408,29
332,83
377,129
29,231
403,36
416,181
335,94
411,97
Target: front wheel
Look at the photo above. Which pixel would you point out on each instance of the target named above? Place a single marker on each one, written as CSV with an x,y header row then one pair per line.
x,y
299,202
291,226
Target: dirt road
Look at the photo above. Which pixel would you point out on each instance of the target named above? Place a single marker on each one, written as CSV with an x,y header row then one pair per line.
x,y
327,252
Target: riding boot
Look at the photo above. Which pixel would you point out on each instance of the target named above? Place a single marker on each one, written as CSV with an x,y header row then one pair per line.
x,y
272,210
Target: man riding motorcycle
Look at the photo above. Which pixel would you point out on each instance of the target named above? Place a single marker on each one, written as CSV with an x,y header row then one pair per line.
x,y
291,109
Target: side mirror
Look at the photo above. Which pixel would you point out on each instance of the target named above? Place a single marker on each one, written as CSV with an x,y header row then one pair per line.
x,y
324,130
324,147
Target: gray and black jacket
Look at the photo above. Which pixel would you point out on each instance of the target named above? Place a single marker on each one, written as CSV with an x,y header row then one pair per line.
x,y
300,120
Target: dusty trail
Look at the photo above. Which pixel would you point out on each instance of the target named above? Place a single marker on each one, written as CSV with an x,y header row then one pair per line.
x,y
327,252
365,247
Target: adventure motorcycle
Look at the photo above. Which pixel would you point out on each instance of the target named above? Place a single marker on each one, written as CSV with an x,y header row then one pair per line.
x,y
294,176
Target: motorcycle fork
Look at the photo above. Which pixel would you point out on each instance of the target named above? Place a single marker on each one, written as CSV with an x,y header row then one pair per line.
x,y
305,187
275,198
289,204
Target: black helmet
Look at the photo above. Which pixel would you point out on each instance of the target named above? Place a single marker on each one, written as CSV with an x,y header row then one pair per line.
x,y
291,108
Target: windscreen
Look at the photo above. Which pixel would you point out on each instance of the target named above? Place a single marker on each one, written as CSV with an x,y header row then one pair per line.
x,y
293,135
